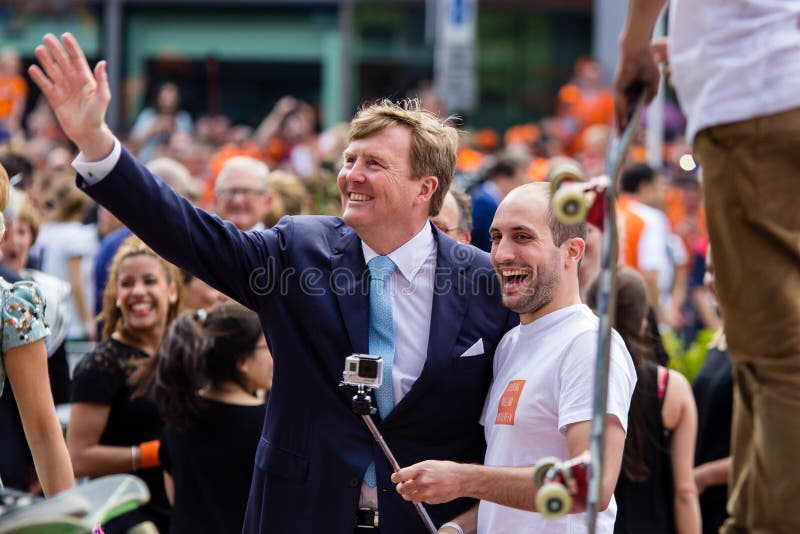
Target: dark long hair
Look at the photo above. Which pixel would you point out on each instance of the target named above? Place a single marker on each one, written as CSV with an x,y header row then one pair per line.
x,y
201,349
630,314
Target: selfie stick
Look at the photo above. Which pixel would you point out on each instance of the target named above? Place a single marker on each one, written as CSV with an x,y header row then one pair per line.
x,y
362,405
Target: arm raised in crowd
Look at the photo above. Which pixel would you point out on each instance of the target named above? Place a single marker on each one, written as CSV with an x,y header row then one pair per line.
x,y
78,96
200,243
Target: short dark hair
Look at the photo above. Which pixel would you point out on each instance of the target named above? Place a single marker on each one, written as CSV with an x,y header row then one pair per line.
x,y
504,166
634,176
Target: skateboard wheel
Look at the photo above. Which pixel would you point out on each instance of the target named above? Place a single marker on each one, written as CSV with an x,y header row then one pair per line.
x,y
570,205
144,528
553,500
564,171
542,467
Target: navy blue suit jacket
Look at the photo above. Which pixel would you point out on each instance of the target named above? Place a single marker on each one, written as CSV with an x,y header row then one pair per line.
x,y
307,280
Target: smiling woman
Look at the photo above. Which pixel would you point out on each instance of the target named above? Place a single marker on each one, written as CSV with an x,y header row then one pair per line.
x,y
109,431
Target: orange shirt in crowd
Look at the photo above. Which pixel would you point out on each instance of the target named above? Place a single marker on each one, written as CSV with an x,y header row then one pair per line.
x,y
586,109
11,89
631,227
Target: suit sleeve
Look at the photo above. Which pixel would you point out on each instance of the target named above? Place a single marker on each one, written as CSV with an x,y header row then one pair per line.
x,y
243,265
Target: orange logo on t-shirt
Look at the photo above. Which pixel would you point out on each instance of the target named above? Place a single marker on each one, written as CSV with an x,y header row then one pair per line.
x,y
507,407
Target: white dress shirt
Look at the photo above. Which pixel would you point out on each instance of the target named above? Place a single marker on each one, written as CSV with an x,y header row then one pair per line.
x,y
411,290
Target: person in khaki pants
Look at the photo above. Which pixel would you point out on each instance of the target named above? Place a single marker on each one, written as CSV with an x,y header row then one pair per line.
x,y
736,70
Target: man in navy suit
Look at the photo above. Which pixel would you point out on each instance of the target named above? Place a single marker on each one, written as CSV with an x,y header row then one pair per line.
x,y
317,467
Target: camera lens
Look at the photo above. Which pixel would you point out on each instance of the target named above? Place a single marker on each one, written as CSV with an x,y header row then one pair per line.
x,y
368,369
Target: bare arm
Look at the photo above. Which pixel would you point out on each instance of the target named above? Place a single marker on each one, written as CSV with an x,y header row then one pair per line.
x,y
169,488
271,125
680,414
26,366
714,473
578,437
637,69
709,316
86,424
436,482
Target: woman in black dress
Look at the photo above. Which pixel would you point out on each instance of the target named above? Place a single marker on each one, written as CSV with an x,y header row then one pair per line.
x,y
210,377
110,431
655,492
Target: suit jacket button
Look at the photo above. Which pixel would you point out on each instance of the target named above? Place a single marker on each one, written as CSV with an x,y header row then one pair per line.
x,y
354,482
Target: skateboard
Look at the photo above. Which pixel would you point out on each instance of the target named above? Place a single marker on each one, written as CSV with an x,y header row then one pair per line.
x,y
571,206
562,485
81,510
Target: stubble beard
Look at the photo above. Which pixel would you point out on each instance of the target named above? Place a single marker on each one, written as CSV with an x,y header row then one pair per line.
x,y
539,294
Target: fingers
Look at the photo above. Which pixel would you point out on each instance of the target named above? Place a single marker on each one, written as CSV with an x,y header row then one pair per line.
x,y
101,74
50,67
405,474
75,51
41,80
57,52
659,49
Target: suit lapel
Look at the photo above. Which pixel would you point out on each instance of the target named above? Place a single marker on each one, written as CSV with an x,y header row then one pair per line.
x,y
447,314
351,287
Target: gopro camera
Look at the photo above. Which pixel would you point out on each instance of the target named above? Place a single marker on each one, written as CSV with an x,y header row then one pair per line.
x,y
363,370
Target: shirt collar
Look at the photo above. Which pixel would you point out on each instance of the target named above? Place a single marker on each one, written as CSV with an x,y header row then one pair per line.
x,y
410,256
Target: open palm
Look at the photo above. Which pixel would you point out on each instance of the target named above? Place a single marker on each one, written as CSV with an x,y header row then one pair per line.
x,y
78,96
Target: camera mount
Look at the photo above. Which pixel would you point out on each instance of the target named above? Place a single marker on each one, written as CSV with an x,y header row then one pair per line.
x,y
362,405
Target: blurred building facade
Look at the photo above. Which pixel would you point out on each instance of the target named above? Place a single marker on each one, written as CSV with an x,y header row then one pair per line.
x,y
238,57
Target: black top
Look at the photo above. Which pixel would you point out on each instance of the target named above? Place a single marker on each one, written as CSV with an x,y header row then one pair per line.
x,y
101,377
211,463
647,505
713,392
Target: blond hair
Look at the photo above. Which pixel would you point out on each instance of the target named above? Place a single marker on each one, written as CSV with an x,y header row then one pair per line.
x,y
433,144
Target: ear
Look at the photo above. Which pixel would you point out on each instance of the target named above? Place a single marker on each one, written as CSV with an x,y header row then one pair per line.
x,y
427,187
574,248
243,366
173,293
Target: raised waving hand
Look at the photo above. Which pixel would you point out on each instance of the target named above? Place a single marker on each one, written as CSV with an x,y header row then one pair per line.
x,y
78,96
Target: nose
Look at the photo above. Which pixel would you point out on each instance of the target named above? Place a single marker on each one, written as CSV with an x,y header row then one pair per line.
x,y
355,173
502,251
138,288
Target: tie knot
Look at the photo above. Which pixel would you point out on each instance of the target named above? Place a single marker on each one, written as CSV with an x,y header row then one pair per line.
x,y
381,267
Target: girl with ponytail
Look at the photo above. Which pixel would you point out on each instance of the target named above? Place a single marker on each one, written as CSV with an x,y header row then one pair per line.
x,y
211,373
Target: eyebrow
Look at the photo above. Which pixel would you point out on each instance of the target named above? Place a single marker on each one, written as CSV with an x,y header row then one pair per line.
x,y
367,155
515,229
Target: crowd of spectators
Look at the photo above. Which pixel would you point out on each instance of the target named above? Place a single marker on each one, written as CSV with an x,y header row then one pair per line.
x,y
287,165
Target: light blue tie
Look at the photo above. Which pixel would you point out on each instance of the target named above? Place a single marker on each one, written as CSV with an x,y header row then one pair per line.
x,y
381,336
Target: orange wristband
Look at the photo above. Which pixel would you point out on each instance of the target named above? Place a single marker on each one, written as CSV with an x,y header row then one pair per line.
x,y
149,454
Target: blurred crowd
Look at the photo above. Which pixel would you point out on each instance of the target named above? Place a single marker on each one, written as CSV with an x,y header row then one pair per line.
x,y
82,256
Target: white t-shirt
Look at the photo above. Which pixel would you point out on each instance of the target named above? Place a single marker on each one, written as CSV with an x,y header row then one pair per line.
x,y
734,60
543,382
